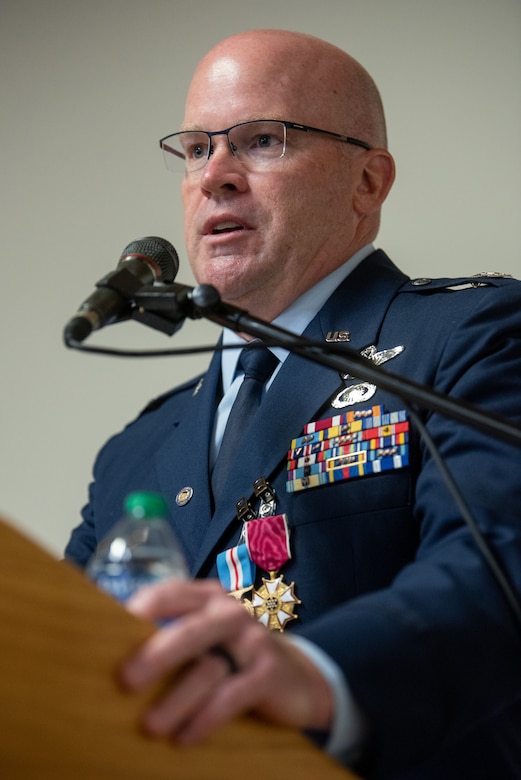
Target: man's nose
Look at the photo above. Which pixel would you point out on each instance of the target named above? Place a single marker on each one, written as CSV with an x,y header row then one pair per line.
x,y
221,146
223,168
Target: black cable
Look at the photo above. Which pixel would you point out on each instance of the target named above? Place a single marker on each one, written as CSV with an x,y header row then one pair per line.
x,y
151,353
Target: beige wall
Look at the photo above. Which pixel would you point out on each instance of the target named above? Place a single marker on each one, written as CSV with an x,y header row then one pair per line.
x,y
87,88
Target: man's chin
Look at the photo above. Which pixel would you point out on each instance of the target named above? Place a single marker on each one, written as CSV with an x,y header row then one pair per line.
x,y
229,275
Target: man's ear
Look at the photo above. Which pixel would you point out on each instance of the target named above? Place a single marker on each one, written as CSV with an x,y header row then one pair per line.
x,y
376,177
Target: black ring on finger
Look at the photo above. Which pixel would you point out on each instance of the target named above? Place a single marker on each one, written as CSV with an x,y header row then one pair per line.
x,y
223,653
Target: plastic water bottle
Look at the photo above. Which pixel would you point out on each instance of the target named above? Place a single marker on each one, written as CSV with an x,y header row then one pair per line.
x,y
140,549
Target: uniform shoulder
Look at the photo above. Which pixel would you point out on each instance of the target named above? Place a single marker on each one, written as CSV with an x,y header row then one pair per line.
x,y
191,387
426,285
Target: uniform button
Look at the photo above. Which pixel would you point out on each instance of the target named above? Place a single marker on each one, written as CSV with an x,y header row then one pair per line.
x,y
421,282
184,496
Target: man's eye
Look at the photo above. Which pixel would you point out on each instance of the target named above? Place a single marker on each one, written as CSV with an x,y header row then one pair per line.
x,y
265,141
198,152
195,147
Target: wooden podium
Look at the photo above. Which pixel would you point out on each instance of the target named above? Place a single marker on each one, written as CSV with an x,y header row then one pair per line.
x,y
62,714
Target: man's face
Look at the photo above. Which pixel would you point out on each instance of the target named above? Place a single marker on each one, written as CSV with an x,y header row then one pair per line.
x,y
264,236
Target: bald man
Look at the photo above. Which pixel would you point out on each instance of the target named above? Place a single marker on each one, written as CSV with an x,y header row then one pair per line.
x,y
338,588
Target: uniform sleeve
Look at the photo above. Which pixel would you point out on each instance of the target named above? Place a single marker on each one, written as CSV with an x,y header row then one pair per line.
x,y
436,655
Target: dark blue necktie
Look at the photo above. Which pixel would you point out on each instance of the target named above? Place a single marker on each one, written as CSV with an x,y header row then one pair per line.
x,y
258,364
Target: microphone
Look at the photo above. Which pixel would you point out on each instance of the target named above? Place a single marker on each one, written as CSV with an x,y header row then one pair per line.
x,y
142,262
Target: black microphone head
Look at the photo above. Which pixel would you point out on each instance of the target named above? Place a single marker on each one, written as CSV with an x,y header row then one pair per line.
x,y
159,251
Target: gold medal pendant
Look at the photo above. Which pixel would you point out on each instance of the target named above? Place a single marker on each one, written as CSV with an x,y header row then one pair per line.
x,y
274,602
242,597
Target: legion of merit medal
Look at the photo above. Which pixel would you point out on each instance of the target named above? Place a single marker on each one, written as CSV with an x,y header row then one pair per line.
x,y
267,540
274,602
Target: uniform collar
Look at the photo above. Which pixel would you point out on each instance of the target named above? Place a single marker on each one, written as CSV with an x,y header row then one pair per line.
x,y
295,318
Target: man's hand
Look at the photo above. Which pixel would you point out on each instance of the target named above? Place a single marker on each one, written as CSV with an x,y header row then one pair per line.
x,y
264,674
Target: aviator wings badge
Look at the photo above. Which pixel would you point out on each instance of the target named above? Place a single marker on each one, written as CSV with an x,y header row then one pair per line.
x,y
362,391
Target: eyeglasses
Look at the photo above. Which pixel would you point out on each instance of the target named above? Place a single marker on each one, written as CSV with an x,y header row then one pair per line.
x,y
257,143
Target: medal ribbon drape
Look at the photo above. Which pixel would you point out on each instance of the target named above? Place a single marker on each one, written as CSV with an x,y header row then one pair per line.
x,y
267,540
258,365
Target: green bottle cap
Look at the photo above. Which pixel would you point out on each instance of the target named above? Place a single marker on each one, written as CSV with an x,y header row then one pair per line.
x,y
146,505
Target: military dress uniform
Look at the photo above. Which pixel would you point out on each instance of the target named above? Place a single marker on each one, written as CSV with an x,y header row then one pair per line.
x,y
383,573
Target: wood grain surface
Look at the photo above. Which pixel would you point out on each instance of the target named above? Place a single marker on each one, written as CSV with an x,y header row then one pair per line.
x,y
62,713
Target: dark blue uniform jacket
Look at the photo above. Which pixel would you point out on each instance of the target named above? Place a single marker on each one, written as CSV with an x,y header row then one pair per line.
x,y
391,581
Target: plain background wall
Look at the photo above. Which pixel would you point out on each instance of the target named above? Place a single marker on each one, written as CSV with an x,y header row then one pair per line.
x,y
88,88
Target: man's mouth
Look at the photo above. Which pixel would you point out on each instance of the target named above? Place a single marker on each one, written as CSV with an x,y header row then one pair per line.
x,y
226,227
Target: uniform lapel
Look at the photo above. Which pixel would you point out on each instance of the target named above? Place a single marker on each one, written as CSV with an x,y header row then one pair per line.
x,y
182,462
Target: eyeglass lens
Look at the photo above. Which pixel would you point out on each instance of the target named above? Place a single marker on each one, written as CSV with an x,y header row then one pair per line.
x,y
257,142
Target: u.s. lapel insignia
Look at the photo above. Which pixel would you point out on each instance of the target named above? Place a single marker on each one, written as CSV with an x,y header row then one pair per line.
x,y
338,336
363,391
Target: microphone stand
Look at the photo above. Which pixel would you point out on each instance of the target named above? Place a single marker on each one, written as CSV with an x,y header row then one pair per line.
x,y
165,307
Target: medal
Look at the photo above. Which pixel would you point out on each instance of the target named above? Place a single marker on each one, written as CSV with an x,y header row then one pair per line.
x,y
241,597
267,539
236,569
274,602
264,542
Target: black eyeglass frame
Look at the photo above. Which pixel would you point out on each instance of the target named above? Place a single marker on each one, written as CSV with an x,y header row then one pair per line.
x,y
288,125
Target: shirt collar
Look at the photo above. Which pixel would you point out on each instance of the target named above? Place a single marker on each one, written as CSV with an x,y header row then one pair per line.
x,y
295,318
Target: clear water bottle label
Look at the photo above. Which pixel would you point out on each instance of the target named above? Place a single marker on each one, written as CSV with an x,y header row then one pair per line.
x,y
139,550
122,585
